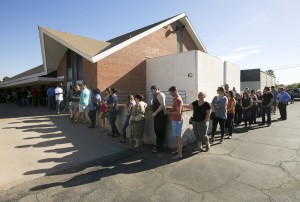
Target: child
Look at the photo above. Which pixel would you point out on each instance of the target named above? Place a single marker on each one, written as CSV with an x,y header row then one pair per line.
x,y
102,115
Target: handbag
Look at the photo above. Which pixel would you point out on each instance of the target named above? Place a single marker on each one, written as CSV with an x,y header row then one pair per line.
x,y
212,116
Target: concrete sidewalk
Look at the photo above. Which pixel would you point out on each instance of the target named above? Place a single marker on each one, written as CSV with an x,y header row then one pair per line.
x,y
35,142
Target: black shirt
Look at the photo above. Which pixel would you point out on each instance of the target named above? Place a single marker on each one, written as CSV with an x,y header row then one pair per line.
x,y
266,98
199,113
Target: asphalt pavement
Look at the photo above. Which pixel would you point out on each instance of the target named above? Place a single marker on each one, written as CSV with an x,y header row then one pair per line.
x,y
50,164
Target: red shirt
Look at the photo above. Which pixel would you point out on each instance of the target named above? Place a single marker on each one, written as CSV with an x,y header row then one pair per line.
x,y
176,103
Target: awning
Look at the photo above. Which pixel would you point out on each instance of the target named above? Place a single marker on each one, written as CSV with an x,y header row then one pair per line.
x,y
30,82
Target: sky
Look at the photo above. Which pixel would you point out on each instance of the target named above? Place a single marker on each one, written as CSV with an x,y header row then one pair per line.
x,y
253,34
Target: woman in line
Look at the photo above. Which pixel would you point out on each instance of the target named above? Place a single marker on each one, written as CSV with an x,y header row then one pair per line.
x,y
230,113
246,106
137,120
219,107
254,107
238,110
200,120
129,105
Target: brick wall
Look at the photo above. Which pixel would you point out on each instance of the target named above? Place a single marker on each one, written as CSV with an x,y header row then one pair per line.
x,y
126,68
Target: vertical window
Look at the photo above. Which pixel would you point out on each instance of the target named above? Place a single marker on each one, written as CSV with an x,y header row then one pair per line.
x,y
74,66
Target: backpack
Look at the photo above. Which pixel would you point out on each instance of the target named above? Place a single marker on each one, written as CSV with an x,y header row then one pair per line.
x,y
96,103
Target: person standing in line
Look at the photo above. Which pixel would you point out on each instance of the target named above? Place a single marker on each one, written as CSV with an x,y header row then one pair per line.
x,y
160,119
59,97
94,103
219,107
234,91
238,110
129,105
137,120
200,120
230,113
177,121
266,103
259,99
35,97
51,99
274,104
283,98
74,101
103,111
112,111
254,107
226,87
83,103
247,103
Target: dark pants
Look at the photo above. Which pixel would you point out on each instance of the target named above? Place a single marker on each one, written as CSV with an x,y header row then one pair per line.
x,y
282,110
228,123
92,115
238,116
247,116
51,102
112,117
126,124
35,101
160,121
221,121
266,110
253,113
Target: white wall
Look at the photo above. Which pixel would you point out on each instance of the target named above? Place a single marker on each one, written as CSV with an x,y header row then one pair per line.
x,y
232,75
210,75
173,70
266,80
207,73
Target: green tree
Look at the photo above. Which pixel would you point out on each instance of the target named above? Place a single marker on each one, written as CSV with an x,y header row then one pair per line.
x,y
5,78
270,72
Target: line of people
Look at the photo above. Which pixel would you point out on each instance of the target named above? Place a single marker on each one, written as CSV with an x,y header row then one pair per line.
x,y
227,109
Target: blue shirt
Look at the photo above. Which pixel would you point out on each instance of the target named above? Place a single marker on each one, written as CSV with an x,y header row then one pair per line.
x,y
113,100
283,97
50,91
219,106
84,97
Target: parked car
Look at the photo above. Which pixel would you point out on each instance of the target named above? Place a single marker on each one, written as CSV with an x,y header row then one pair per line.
x,y
295,92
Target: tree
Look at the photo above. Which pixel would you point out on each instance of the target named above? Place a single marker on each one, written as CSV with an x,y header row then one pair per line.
x,y
5,78
270,72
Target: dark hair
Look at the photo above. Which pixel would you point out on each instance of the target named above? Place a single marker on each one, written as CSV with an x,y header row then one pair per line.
x,y
267,88
139,96
252,91
172,89
221,88
231,94
114,90
154,87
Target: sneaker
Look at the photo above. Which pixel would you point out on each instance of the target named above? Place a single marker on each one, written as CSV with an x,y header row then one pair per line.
x,y
177,157
230,136
221,140
207,147
212,140
122,142
268,125
154,150
261,124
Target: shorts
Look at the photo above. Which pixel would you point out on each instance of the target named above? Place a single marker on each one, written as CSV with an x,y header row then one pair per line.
x,y
73,106
177,128
82,108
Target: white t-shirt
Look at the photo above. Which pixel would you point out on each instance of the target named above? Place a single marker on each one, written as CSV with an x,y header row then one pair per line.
x,y
59,96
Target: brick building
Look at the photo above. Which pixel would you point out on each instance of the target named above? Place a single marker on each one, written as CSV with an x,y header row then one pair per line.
x,y
119,62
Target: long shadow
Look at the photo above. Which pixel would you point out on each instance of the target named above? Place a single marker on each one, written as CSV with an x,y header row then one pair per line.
x,y
125,165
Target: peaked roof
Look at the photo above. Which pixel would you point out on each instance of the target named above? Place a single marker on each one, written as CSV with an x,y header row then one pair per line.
x,y
95,50
90,47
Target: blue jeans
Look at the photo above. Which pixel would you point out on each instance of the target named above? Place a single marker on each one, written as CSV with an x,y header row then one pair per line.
x,y
126,124
58,105
112,117
266,110
247,116
229,123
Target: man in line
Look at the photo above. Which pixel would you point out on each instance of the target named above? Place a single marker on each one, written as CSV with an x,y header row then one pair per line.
x,y
51,99
83,102
59,97
274,104
283,98
267,100
74,101
177,122
160,119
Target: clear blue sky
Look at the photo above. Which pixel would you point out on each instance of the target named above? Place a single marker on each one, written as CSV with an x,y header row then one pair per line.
x,y
253,34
